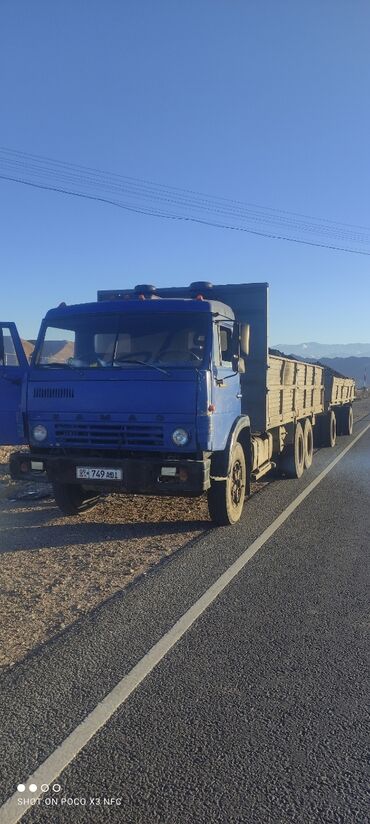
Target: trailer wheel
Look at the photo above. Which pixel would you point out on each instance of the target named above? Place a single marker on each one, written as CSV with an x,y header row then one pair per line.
x,y
292,461
346,420
226,498
329,429
308,443
72,500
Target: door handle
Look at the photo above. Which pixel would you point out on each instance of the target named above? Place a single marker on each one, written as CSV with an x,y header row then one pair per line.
x,y
239,395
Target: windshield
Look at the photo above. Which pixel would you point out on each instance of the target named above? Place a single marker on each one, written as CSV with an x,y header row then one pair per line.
x,y
156,341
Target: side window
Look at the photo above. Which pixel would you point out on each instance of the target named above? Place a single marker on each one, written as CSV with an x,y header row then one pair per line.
x,y
226,344
57,347
8,355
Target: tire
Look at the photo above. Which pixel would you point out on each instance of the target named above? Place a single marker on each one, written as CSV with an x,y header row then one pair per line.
x,y
72,500
346,420
329,429
308,443
292,459
226,498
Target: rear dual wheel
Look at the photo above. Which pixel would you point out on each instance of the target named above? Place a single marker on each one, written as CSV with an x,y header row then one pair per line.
x,y
292,461
345,415
308,443
328,429
298,455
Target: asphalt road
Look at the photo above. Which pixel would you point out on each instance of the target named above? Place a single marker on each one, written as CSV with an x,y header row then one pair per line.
x,y
257,714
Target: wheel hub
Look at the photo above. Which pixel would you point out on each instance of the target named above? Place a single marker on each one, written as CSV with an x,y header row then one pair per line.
x,y
237,484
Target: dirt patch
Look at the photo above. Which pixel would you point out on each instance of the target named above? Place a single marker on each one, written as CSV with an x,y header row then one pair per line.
x,y
54,569
5,479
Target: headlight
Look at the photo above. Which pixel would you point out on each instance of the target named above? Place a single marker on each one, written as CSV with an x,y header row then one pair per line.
x,y
180,437
39,432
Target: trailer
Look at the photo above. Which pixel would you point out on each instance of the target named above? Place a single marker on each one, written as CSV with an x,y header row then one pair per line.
x,y
299,390
169,391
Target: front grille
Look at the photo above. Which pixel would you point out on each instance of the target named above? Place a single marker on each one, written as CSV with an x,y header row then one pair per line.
x,y
53,392
110,436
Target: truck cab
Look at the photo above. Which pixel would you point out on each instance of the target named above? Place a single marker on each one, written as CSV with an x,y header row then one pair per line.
x,y
159,392
135,395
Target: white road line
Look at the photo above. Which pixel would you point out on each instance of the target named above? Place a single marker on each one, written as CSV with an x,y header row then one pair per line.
x,y
11,811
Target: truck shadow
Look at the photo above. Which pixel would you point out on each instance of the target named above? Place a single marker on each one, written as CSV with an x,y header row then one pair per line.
x,y
60,569
24,538
40,525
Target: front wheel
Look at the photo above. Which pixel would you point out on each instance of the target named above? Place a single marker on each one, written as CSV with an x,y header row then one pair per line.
x,y
226,498
71,498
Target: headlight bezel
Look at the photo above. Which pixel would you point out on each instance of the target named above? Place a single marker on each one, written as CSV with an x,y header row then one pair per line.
x,y
180,441
42,431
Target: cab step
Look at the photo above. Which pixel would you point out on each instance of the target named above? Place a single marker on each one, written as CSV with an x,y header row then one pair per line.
x,y
262,470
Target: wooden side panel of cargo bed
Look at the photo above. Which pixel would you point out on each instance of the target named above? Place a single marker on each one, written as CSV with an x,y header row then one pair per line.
x,y
338,390
295,390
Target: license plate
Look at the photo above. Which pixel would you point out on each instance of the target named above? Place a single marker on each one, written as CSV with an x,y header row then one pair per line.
x,y
98,473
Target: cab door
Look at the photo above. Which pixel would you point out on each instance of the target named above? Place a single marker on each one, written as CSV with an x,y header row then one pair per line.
x,y
226,393
13,367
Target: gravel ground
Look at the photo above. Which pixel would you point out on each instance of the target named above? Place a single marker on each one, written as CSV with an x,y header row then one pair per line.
x,y
56,569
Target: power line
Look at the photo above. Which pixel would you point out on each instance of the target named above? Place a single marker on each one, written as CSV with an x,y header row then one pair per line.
x,y
149,183
182,217
135,188
100,185
79,177
157,200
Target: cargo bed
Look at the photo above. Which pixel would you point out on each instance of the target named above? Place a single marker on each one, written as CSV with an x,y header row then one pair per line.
x,y
338,390
297,390
294,390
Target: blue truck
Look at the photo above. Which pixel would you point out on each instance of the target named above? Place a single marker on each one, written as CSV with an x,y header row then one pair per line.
x,y
168,391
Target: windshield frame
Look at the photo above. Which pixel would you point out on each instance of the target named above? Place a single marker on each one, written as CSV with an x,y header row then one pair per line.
x,y
63,321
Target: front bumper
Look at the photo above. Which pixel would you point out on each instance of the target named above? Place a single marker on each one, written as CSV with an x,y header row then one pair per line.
x,y
141,476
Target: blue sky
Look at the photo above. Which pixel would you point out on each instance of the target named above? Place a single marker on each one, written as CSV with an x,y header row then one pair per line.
x,y
265,101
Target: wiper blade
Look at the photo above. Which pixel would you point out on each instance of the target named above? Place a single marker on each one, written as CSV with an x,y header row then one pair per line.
x,y
54,364
141,363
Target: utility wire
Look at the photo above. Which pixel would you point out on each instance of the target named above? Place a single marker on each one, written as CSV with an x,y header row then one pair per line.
x,y
98,185
157,200
132,190
79,177
182,217
148,183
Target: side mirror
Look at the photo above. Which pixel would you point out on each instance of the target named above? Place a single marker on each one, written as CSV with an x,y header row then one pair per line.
x,y
244,338
238,365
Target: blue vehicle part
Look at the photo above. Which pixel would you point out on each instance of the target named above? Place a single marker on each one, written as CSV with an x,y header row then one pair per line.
x,y
128,410
137,406
13,369
249,303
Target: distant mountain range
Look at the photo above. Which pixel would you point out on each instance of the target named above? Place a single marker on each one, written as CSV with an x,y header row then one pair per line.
x,y
356,368
325,350
349,359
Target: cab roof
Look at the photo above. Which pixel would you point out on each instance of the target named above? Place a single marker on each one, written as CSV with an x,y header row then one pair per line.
x,y
132,306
